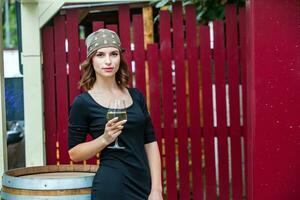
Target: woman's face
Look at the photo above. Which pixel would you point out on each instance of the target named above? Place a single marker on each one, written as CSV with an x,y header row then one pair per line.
x,y
106,61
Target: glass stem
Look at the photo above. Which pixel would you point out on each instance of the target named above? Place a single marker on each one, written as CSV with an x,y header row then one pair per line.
x,y
117,142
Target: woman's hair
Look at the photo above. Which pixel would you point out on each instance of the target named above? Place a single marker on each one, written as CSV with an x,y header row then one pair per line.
x,y
88,77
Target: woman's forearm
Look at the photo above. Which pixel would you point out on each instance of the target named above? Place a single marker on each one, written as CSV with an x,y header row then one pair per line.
x,y
153,156
87,150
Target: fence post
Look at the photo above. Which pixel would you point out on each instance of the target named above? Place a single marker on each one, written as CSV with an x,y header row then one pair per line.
x,y
273,60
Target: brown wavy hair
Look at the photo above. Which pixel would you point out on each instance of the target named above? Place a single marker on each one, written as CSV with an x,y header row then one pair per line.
x,y
88,77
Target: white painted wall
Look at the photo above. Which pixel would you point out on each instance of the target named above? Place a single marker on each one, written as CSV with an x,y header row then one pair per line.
x,y
11,63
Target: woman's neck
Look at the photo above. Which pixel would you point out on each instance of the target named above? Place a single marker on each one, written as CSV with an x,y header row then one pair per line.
x,y
108,85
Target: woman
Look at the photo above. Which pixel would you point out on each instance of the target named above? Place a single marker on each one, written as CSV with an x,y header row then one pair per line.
x,y
132,173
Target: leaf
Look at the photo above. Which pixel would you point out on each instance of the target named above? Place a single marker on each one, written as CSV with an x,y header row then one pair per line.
x,y
202,10
153,2
223,2
162,3
207,10
187,3
156,19
200,14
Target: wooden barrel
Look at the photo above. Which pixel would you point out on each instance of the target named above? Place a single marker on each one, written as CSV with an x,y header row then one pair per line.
x,y
59,182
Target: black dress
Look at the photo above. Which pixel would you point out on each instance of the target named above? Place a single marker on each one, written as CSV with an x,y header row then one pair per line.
x,y
123,173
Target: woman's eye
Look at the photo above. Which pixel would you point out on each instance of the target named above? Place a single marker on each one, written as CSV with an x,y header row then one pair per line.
x,y
114,54
100,54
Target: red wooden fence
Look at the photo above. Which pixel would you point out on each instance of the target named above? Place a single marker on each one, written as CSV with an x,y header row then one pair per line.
x,y
196,118
195,126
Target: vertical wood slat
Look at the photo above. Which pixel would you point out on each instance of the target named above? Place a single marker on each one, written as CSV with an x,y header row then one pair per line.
x,y
124,23
83,55
73,53
248,94
139,53
195,130
148,25
165,52
221,129
242,31
182,130
148,39
61,87
49,94
97,25
233,82
155,108
208,131
82,50
112,27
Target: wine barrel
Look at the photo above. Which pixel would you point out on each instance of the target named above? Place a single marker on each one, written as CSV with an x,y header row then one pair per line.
x,y
59,182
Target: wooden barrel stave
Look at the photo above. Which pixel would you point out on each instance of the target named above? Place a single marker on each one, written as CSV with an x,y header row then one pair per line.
x,y
66,182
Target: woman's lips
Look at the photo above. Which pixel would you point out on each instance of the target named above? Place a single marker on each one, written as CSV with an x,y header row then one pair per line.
x,y
108,69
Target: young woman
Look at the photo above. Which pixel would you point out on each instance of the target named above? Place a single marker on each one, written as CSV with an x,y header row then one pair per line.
x,y
134,171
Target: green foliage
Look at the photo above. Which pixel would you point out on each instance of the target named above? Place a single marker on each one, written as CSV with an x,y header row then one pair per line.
x,y
207,10
12,26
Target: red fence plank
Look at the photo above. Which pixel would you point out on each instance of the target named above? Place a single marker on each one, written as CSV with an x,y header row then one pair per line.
x,y
113,27
73,53
242,53
165,51
273,71
195,130
124,23
182,130
97,25
61,87
208,130
234,102
49,94
139,53
82,50
155,108
83,54
155,105
221,129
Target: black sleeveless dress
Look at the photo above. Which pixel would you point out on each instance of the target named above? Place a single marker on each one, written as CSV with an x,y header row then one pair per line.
x,y
123,173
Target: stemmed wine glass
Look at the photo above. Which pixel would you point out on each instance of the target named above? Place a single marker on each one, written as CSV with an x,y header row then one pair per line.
x,y
116,108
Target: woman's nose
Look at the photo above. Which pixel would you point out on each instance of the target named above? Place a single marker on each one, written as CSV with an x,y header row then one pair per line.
x,y
107,60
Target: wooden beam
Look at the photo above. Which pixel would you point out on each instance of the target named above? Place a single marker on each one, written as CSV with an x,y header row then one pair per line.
x,y
148,38
148,25
82,14
29,1
33,86
3,143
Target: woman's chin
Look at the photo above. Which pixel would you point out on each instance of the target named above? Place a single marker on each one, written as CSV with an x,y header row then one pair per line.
x,y
108,74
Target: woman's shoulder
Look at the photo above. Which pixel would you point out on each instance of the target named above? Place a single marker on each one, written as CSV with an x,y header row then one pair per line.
x,y
136,92
137,95
81,100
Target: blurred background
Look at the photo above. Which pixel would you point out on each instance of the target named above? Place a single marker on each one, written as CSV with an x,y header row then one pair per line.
x,y
13,75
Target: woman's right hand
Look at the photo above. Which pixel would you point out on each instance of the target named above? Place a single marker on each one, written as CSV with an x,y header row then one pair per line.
x,y
113,129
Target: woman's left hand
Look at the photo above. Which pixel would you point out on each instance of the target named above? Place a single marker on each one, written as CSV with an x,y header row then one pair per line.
x,y
155,195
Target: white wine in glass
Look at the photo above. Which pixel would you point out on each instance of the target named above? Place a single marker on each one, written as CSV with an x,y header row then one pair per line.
x,y
117,108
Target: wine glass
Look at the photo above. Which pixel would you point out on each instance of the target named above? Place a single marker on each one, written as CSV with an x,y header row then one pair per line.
x,y
116,108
